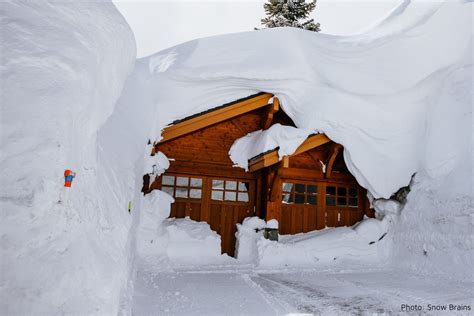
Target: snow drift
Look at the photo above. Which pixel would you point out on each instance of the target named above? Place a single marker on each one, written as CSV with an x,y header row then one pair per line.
x,y
397,97
63,66
165,243
369,92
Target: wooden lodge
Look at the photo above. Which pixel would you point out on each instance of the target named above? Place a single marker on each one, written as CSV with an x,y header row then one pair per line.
x,y
296,190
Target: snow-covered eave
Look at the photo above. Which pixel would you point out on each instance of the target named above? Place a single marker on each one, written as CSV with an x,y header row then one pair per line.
x,y
272,156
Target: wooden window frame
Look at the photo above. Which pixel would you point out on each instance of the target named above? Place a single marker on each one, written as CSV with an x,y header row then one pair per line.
x,y
306,193
224,190
188,187
347,196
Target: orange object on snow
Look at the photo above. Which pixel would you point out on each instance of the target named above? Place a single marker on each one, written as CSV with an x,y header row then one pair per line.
x,y
68,177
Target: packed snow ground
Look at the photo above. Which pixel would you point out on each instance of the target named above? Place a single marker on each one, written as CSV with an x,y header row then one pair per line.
x,y
245,292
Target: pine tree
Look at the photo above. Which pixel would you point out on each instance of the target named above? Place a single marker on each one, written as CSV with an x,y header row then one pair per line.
x,y
290,13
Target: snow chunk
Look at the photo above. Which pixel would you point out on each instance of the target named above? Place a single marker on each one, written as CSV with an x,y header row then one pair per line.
x,y
384,206
325,247
247,235
193,243
286,138
155,165
170,241
371,229
273,224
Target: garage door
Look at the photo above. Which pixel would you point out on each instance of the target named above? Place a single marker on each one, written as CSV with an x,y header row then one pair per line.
x,y
221,202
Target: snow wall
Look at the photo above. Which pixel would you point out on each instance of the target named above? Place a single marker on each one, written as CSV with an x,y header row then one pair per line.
x,y
398,97
63,66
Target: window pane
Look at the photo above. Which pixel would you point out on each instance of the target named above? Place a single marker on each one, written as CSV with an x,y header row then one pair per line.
x,y
342,201
311,199
330,200
217,195
196,183
231,185
341,191
182,181
353,202
353,192
299,198
311,189
230,196
167,180
218,184
286,187
168,190
243,186
243,197
331,190
300,188
286,197
181,192
195,193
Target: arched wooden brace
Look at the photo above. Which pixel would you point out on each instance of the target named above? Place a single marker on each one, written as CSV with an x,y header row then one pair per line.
x,y
272,109
335,150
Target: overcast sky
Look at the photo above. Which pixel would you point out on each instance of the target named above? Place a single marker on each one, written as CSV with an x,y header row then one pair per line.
x,y
159,24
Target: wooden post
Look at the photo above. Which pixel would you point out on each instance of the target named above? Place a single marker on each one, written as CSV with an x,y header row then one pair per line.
x,y
274,194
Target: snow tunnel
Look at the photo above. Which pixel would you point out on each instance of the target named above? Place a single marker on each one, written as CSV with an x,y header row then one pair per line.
x,y
308,190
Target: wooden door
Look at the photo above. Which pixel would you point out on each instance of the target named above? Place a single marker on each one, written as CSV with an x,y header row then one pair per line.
x,y
308,206
344,205
221,202
302,207
231,200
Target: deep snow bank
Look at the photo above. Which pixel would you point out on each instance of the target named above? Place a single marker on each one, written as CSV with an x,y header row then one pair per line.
x,y
165,243
435,233
367,92
341,247
63,69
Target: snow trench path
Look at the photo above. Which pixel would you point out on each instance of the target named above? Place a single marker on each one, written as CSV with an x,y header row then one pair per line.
x,y
201,294
246,292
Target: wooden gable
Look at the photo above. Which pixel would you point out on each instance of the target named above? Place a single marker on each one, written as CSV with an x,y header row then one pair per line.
x,y
308,190
216,115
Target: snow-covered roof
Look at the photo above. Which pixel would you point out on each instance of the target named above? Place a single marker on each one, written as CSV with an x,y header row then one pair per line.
x,y
372,93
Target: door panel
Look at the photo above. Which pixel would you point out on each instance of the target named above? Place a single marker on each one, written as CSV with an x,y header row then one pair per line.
x,y
308,206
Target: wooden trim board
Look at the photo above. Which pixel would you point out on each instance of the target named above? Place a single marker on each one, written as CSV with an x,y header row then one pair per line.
x,y
213,117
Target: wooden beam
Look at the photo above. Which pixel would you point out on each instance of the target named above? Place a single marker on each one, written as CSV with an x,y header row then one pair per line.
x,y
312,142
272,157
332,158
272,109
285,162
263,161
314,175
214,117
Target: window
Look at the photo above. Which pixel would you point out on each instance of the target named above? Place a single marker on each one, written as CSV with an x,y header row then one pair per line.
x,y
342,196
229,190
300,193
182,187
